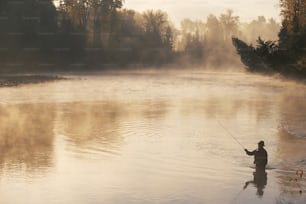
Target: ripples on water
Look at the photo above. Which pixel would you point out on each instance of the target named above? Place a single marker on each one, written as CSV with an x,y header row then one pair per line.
x,y
151,137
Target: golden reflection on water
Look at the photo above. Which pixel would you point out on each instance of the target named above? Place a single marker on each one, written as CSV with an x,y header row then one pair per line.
x,y
26,137
158,140
93,123
99,124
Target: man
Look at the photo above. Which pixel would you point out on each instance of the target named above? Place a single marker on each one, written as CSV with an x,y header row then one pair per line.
x,y
260,156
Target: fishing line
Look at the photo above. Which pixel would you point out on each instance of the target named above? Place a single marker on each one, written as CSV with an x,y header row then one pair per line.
x,y
230,134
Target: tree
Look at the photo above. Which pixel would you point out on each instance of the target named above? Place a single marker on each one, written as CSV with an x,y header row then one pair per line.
x,y
293,14
293,32
77,11
157,36
27,30
214,29
266,48
192,28
194,46
155,24
229,24
168,39
111,5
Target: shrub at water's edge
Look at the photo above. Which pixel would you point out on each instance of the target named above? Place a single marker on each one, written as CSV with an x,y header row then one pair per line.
x,y
269,57
287,55
248,56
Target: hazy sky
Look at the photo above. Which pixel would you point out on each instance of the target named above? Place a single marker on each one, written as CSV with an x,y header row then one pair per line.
x,y
199,9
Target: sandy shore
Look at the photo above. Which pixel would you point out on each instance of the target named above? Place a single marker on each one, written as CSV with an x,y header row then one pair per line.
x,y
20,79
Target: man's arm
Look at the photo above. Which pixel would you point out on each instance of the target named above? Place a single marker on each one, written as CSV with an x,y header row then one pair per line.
x,y
249,153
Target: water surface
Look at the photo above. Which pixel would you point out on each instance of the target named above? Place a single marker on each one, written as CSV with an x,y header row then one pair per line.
x,y
152,137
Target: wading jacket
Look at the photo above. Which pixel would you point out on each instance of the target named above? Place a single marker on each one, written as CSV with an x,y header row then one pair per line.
x,y
260,157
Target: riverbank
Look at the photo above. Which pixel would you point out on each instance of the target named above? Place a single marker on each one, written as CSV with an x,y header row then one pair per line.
x,y
9,80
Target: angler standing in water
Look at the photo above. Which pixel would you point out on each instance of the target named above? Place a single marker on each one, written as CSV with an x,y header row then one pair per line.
x,y
260,156
260,175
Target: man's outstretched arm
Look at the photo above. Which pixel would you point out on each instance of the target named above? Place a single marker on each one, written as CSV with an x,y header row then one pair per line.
x,y
249,153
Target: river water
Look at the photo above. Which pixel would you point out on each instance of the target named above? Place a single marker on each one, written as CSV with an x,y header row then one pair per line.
x,y
152,137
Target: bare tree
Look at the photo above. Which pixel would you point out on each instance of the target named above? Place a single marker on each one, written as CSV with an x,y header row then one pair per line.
x,y
229,24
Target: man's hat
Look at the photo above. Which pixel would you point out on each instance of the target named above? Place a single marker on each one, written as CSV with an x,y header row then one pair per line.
x,y
262,143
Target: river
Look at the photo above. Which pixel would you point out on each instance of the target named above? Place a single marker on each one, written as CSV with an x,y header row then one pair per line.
x,y
152,137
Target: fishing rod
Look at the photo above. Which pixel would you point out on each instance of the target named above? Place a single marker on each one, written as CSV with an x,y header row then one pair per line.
x,y
230,134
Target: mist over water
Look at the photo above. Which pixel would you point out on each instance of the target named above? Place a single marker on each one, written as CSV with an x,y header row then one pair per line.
x,y
152,137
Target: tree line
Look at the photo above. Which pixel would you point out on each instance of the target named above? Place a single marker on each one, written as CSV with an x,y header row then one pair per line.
x,y
286,54
209,41
86,34
81,33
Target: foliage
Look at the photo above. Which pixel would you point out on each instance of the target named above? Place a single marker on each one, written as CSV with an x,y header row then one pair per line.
x,y
248,55
287,55
97,33
208,42
293,14
27,31
266,28
229,24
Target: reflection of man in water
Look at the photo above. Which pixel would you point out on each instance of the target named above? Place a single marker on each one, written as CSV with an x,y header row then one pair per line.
x,y
260,156
259,181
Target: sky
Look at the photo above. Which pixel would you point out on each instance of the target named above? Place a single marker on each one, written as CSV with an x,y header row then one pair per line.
x,y
200,9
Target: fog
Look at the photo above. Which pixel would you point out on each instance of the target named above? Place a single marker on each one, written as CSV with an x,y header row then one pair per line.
x,y
179,9
145,135
209,43
80,36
